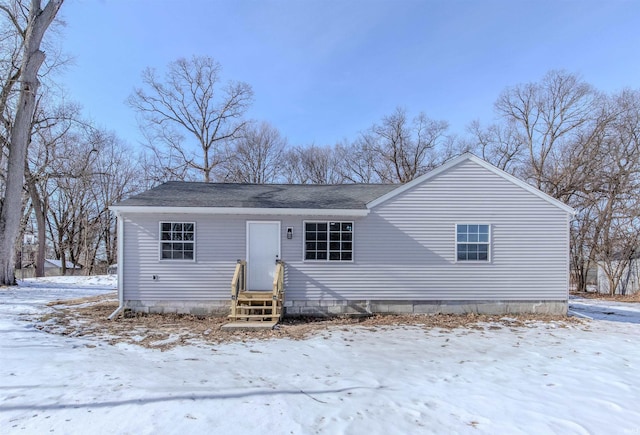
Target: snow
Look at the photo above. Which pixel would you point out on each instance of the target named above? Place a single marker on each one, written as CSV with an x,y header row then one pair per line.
x,y
544,378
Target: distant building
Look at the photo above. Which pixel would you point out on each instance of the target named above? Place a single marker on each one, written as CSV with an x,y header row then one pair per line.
x,y
52,267
629,278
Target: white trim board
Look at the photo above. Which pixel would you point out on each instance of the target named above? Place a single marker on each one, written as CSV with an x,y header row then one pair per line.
x,y
241,211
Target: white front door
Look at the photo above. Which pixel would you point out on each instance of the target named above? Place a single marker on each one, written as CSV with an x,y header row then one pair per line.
x,y
263,249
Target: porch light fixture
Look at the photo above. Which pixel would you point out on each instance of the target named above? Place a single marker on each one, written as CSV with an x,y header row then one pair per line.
x,y
289,232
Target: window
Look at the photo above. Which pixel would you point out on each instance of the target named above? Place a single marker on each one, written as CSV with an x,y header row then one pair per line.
x,y
328,241
472,242
177,240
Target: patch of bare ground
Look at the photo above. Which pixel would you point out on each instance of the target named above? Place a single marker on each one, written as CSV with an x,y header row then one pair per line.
x,y
607,297
88,317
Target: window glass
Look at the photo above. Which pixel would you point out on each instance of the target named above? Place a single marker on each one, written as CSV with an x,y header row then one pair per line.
x,y
472,242
177,241
332,241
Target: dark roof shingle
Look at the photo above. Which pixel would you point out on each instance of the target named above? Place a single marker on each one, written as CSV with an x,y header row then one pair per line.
x,y
236,195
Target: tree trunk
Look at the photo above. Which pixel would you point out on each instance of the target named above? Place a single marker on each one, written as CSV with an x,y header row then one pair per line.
x,y
38,22
39,211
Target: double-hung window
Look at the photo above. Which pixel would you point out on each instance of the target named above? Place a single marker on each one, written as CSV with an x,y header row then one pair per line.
x,y
472,242
328,241
177,240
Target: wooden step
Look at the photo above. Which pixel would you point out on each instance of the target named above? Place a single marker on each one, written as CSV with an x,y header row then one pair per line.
x,y
255,307
255,294
251,316
255,303
253,311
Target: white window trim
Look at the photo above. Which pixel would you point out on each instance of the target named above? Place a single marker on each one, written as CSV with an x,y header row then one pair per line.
x,y
315,221
455,242
183,260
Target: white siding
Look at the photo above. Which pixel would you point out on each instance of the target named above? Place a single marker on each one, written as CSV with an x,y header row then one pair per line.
x,y
403,250
629,282
220,241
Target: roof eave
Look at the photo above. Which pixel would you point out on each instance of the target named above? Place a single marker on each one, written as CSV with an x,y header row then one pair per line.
x,y
239,211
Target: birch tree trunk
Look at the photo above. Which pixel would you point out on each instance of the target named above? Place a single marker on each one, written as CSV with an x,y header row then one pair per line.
x,y
37,23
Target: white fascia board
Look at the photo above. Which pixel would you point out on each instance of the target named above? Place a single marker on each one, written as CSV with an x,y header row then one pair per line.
x,y
457,160
241,211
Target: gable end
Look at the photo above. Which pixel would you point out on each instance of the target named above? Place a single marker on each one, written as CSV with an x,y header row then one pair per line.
x,y
463,158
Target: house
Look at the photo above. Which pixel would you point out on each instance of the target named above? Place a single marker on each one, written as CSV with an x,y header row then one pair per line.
x,y
465,237
53,267
619,271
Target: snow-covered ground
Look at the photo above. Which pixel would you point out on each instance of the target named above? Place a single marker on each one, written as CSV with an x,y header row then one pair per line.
x,y
544,379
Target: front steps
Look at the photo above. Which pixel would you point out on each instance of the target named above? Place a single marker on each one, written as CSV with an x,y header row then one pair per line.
x,y
255,309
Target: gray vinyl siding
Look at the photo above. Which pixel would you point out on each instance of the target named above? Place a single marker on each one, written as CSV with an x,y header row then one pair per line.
x,y
403,250
219,243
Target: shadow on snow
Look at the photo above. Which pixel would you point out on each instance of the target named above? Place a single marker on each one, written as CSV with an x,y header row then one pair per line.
x,y
607,311
193,397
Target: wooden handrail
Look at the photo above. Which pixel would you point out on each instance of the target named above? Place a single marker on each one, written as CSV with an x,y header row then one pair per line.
x,y
278,287
238,283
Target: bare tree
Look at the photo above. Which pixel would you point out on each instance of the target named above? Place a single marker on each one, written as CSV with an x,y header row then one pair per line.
x,y
160,166
50,127
359,160
500,144
617,228
313,165
405,148
114,176
546,116
38,21
257,156
189,114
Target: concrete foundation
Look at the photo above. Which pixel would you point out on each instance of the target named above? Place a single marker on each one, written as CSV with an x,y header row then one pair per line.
x,y
199,308
364,307
326,308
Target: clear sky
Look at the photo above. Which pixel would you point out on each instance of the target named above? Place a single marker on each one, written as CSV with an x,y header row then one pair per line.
x,y
324,70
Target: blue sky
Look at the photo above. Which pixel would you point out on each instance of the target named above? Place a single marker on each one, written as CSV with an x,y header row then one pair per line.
x,y
325,70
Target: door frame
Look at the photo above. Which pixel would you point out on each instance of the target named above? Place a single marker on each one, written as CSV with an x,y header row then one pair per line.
x,y
248,242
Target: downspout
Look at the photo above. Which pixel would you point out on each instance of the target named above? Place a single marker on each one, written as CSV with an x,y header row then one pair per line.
x,y
120,236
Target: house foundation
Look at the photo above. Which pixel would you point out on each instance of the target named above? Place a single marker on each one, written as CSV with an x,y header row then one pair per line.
x,y
327,308
364,307
196,308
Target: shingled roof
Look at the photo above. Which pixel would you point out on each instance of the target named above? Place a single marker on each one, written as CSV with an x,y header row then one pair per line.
x,y
235,195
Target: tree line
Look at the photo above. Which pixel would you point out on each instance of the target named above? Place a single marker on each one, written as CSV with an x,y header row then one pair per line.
x,y
560,134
